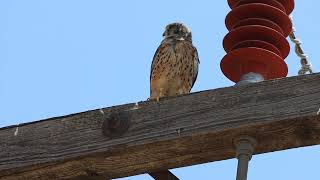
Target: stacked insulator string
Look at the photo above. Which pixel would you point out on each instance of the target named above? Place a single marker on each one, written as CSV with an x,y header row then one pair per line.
x,y
256,42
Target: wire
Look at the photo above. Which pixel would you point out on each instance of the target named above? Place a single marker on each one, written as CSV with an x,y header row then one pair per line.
x,y
305,64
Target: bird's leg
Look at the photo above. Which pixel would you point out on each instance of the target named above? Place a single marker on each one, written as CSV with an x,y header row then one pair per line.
x,y
160,94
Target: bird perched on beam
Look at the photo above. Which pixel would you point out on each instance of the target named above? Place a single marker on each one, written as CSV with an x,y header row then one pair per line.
x,y
174,68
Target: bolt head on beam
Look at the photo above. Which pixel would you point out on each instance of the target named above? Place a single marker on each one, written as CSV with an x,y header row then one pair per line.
x,y
245,146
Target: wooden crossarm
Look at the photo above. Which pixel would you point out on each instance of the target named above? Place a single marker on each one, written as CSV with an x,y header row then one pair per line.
x,y
198,128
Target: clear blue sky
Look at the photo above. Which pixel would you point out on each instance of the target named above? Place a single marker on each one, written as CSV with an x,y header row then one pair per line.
x,y
59,57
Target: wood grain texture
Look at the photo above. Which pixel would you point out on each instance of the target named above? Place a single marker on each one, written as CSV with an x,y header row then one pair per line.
x,y
175,132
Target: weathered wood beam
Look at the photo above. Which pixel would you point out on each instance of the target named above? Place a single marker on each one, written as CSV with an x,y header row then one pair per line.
x,y
198,128
163,175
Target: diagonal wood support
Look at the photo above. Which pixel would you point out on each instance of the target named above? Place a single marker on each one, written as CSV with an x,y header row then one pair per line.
x,y
163,175
176,132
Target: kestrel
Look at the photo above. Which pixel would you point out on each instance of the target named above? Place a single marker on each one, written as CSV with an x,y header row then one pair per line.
x,y
174,67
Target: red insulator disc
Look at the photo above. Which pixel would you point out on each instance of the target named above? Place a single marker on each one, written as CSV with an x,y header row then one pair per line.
x,y
263,11
273,3
256,32
287,4
259,21
257,44
245,60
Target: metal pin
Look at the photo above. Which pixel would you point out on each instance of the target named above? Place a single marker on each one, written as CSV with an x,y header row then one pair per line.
x,y
250,78
244,150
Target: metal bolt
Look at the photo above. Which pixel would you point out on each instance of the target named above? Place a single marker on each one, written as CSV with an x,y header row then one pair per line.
x,y
244,150
250,78
116,124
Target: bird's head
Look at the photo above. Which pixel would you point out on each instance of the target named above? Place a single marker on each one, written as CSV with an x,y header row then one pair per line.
x,y
177,31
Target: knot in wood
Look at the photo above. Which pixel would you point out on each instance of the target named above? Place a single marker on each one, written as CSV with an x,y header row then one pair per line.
x,y
116,124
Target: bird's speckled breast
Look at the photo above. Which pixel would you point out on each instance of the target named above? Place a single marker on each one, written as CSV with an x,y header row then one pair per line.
x,y
173,74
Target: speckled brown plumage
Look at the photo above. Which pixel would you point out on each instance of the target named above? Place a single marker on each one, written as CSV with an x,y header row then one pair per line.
x,y
174,67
